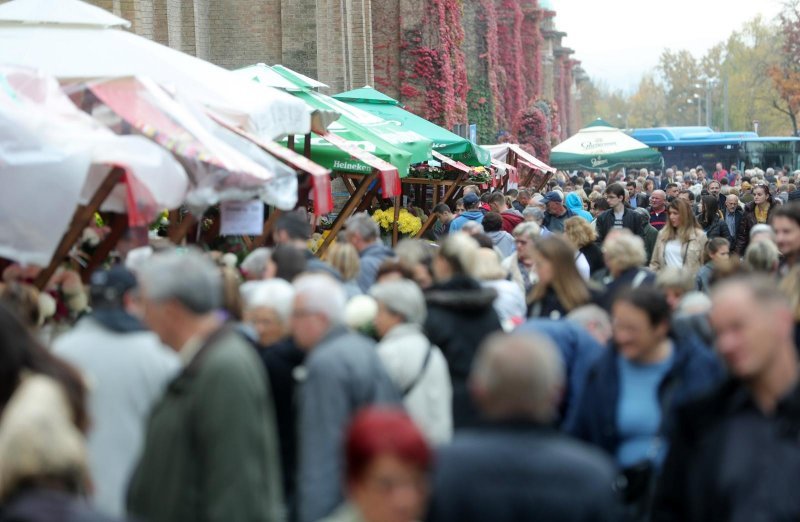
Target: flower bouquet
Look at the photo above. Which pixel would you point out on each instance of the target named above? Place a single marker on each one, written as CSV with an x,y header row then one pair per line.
x,y
407,224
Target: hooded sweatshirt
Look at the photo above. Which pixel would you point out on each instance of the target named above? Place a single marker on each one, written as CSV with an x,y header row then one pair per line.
x,y
574,203
511,218
470,215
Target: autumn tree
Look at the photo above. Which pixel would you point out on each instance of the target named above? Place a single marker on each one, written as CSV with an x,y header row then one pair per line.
x,y
647,106
679,73
786,74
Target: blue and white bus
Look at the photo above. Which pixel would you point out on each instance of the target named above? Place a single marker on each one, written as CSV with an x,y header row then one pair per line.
x,y
688,147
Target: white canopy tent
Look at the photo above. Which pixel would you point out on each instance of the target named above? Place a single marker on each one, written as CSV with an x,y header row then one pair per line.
x,y
50,152
75,41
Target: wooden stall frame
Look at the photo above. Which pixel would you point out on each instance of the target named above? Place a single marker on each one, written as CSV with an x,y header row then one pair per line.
x,y
452,188
119,224
80,219
348,210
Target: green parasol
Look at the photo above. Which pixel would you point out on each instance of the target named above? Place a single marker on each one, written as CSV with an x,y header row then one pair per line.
x,y
445,142
382,138
599,146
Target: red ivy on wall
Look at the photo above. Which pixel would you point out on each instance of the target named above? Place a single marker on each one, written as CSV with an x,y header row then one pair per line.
x,y
532,131
423,64
433,78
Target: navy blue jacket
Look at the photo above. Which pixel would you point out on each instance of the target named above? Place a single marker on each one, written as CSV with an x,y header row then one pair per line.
x,y
695,372
579,351
517,470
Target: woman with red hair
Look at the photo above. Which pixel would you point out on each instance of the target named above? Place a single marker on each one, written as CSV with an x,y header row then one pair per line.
x,y
387,461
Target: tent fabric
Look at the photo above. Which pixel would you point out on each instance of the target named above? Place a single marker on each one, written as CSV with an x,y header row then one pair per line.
x,y
445,142
371,134
67,13
53,155
500,152
223,166
81,47
599,146
320,176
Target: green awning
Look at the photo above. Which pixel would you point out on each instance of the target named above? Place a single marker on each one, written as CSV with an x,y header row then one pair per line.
x,y
445,142
599,146
384,139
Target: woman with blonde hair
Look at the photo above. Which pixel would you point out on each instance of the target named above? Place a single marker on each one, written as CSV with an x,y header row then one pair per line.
x,y
344,258
582,236
681,242
560,288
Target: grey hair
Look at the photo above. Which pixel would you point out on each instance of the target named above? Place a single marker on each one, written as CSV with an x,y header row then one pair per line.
x,y
535,212
363,225
323,294
694,303
275,294
589,315
256,261
472,227
527,229
521,375
187,276
403,298
761,256
762,228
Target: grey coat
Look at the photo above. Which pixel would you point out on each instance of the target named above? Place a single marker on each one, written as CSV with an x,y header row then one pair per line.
x,y
343,375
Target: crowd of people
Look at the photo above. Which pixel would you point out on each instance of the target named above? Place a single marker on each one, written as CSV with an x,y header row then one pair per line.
x,y
612,347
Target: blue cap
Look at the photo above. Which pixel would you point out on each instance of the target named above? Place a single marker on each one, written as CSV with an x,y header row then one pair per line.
x,y
553,195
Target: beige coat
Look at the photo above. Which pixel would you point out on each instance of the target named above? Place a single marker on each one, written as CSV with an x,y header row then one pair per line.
x,y
692,252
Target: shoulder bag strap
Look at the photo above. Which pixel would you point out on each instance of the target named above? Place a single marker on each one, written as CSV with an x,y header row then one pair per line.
x,y
416,380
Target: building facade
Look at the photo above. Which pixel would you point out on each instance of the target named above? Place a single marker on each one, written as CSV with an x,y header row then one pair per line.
x,y
488,62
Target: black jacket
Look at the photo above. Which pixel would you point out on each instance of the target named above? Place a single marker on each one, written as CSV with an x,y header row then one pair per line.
x,y
630,220
748,222
728,462
460,316
594,256
280,361
718,228
630,278
515,471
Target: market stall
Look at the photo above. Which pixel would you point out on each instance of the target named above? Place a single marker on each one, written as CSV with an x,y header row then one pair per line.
x,y
359,147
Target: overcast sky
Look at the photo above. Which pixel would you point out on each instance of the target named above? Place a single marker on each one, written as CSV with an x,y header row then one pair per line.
x,y
619,40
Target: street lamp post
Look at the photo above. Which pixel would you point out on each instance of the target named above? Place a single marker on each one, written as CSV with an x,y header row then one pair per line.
x,y
695,99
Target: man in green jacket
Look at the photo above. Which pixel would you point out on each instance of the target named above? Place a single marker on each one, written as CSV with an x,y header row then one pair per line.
x,y
211,450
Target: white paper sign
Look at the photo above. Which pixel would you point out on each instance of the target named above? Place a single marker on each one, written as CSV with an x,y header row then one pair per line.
x,y
242,218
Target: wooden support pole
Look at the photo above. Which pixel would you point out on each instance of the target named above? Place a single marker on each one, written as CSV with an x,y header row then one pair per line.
x,y
307,146
395,225
448,195
274,214
367,201
177,233
119,224
83,214
346,212
290,142
348,184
